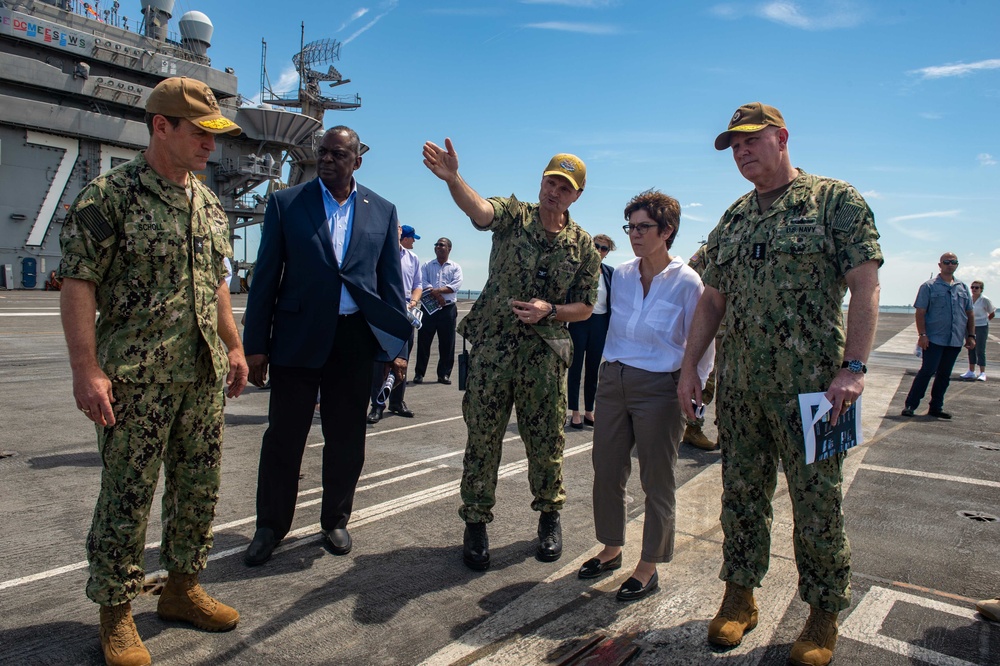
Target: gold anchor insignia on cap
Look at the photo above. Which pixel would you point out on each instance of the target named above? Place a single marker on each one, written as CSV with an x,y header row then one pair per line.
x,y
569,166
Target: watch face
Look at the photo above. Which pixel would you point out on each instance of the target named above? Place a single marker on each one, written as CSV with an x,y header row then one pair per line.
x,y
856,366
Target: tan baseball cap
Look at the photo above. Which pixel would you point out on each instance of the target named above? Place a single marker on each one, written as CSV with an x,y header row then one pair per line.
x,y
752,117
190,99
568,166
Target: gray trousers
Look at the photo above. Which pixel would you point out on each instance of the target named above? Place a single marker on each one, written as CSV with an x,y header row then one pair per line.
x,y
636,408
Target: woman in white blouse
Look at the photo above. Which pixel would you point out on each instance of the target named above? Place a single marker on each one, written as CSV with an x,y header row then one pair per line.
x,y
655,295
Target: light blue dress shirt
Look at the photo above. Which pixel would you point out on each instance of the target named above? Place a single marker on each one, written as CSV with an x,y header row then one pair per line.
x,y
340,222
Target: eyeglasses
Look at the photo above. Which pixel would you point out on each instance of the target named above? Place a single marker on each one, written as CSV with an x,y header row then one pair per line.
x,y
641,228
949,262
440,245
976,286
602,248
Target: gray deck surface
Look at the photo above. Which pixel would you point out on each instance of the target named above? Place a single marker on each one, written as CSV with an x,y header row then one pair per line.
x,y
403,596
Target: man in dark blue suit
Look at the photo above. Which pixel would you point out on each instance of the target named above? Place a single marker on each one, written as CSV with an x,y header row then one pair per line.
x,y
325,302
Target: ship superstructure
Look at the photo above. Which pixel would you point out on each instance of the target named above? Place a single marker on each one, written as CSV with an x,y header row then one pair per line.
x,y
74,79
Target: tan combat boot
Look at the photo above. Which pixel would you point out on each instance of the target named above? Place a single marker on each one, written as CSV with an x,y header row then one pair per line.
x,y
817,640
695,437
120,639
184,600
736,616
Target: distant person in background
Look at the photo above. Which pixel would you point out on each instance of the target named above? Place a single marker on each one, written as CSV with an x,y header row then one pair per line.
x,y
945,320
410,265
984,312
588,342
442,279
543,275
694,434
655,299
53,283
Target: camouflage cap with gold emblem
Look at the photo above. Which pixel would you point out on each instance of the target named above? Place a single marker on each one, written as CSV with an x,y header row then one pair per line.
x,y
752,117
190,99
569,167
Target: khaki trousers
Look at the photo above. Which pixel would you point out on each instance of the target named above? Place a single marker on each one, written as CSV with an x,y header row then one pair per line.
x,y
636,408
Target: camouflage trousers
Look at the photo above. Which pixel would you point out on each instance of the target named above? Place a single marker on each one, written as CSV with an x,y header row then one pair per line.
x,y
755,431
525,373
179,425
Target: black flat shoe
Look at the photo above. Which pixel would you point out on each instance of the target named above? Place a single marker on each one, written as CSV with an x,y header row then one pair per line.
x,y
339,540
588,422
260,549
576,426
632,589
444,380
593,567
939,414
907,411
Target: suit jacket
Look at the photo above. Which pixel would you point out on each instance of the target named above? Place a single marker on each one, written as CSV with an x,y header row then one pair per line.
x,y
294,297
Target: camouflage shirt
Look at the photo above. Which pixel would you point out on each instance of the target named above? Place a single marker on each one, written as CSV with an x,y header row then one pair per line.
x,y
782,274
156,257
524,264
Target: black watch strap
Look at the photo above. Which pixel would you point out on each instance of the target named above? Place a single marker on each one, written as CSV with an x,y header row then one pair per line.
x,y
855,366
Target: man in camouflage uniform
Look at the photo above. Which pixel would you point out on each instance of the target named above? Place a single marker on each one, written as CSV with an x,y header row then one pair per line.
x,y
144,246
543,274
693,433
780,262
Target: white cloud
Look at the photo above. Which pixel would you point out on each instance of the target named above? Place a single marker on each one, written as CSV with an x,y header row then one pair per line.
x,y
386,8
921,234
691,205
931,115
924,216
871,194
840,14
985,159
586,28
958,69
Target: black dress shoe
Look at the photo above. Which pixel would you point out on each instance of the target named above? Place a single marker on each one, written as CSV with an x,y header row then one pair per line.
x,y
938,414
476,549
419,379
549,537
339,540
260,549
632,589
593,567
444,380
907,411
401,410
575,426
589,422
375,415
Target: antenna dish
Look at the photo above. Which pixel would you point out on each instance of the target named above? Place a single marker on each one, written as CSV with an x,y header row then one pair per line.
x,y
320,52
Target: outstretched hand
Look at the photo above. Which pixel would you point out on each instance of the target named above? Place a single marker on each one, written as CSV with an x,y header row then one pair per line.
x,y
443,162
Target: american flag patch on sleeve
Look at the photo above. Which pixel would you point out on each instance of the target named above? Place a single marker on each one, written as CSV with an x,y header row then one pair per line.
x,y
96,226
847,215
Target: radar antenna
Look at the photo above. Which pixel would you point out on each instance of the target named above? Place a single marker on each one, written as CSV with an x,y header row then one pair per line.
x,y
308,62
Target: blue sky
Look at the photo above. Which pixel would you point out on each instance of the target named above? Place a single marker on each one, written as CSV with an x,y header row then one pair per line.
x,y
899,98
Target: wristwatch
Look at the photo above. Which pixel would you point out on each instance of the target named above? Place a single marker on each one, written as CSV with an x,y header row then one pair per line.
x,y
552,312
855,366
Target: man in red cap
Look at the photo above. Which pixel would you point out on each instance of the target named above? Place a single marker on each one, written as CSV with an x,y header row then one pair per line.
x,y
779,265
144,244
